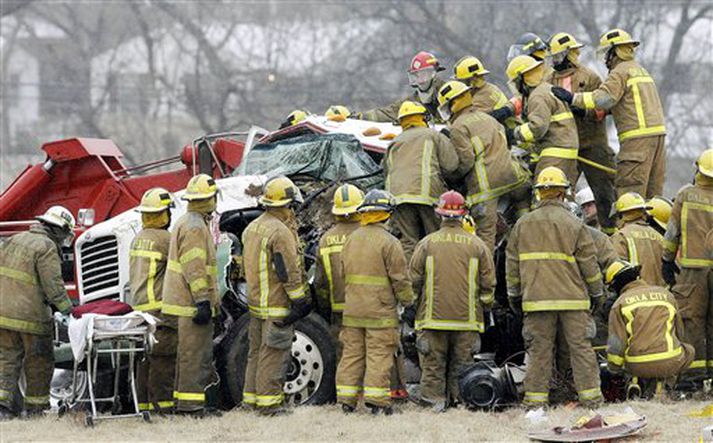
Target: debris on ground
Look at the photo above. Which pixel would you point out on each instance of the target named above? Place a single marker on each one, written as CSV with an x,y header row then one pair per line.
x,y
595,426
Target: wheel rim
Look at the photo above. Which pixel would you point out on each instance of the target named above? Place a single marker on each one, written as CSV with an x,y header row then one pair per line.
x,y
61,388
305,370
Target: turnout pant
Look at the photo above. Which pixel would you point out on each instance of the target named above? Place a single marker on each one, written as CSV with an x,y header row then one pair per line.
x,y
443,355
601,182
156,373
414,222
694,295
641,166
485,215
540,332
662,369
366,365
194,364
268,357
33,354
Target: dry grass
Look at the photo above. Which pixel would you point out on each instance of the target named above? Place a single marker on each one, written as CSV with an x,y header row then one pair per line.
x,y
667,422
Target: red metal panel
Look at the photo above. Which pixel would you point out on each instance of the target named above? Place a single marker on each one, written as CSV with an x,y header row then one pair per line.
x,y
75,148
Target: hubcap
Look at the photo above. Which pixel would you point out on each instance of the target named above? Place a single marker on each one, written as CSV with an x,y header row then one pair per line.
x,y
305,370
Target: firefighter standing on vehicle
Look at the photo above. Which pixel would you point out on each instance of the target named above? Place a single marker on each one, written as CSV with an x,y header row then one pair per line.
x,y
595,158
553,277
486,96
329,280
30,281
147,268
376,277
453,276
688,229
490,172
423,77
645,327
416,166
277,295
294,118
630,94
550,123
190,294
636,241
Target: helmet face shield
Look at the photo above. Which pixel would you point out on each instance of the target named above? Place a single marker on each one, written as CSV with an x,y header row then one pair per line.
x,y
559,57
422,78
516,50
444,111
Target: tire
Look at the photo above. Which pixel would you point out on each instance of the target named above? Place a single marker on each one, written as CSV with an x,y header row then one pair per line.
x,y
311,374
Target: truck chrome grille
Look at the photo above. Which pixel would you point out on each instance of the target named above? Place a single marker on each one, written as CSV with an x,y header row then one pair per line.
x,y
100,265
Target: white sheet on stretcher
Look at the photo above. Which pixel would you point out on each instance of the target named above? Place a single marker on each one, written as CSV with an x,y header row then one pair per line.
x,y
81,330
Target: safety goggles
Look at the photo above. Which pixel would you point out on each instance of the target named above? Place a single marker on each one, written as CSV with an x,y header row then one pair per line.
x,y
422,77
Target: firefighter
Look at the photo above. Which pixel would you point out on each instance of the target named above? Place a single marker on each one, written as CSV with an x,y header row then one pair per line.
x,y
423,77
595,158
490,171
329,280
550,124
416,165
585,199
190,294
486,96
690,223
453,276
277,297
645,327
636,241
659,213
293,118
337,113
376,277
529,44
147,268
630,94
30,281
553,277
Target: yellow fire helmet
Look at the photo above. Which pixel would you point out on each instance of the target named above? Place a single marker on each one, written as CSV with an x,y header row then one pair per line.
x,y
280,191
338,112
629,202
411,108
468,67
615,269
468,223
704,164
347,199
563,41
615,37
521,65
449,92
155,200
660,210
200,187
551,177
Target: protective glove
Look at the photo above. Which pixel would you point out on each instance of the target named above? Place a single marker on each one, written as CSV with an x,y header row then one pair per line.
x,y
446,132
203,313
509,136
598,304
669,269
563,94
578,112
300,308
502,114
516,305
409,316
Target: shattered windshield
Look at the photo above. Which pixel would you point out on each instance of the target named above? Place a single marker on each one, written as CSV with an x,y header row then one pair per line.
x,y
324,157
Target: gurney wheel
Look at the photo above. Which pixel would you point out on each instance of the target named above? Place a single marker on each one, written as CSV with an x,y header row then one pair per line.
x,y
116,407
89,421
62,409
146,416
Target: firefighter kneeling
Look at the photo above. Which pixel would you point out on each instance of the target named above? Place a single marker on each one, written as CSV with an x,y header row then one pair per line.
x,y
454,276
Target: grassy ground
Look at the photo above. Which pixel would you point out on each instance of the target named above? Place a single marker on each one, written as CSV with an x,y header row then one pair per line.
x,y
667,422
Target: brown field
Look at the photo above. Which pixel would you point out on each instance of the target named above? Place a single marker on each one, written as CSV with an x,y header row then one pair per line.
x,y
667,422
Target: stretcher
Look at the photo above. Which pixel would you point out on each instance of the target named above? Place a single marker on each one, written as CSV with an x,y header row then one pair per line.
x,y
120,340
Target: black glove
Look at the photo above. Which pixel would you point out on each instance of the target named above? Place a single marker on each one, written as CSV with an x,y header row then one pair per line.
x,y
669,269
563,94
203,313
598,304
502,114
516,305
409,316
579,112
510,136
446,132
300,308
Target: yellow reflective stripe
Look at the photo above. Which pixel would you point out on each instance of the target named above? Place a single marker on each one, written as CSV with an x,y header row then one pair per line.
x,y
368,280
161,404
547,256
633,253
264,275
269,400
493,193
567,153
193,254
450,325
198,284
670,246
374,392
211,270
696,262
633,83
296,294
180,311
37,400
348,391
588,100
416,199
654,357
685,259
429,288
145,406
14,274
589,394
189,396
5,394
155,255
480,171
148,306
472,289
595,278
249,398
616,359
628,313
25,326
174,266
512,280
536,397
596,165
526,133
358,322
555,305
327,262
267,312
426,168
562,116
653,130
697,364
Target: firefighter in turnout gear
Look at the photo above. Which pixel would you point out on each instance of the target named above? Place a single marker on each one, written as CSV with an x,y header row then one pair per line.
x,y
423,77
489,169
453,276
147,268
550,123
636,241
293,118
487,97
416,165
31,281
553,277
277,295
329,280
337,113
630,94
645,327
190,294
690,225
376,277
595,158
659,213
